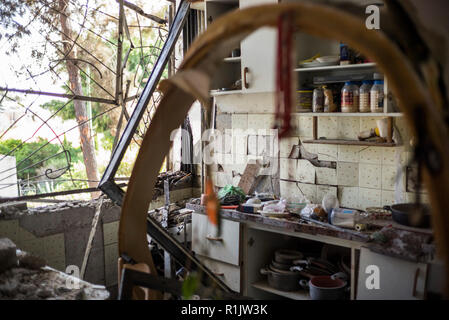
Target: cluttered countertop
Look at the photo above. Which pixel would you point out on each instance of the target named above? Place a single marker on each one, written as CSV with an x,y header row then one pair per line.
x,y
373,228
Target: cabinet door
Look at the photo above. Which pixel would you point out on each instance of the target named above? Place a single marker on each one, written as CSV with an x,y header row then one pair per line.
x,y
228,273
224,248
398,279
258,52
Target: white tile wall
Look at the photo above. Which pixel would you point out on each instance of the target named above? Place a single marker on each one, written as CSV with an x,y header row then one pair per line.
x,y
286,145
364,175
348,153
288,168
371,155
348,174
305,171
349,197
348,128
240,121
321,191
369,198
328,127
309,191
327,152
326,176
370,175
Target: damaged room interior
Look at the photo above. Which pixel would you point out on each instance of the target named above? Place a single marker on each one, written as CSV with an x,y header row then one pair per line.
x,y
224,149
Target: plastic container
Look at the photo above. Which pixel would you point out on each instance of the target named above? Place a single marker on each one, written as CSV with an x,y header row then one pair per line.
x,y
364,97
318,100
377,96
350,97
345,218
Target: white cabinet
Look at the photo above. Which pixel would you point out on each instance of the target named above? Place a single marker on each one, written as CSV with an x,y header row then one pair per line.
x,y
398,279
225,247
258,52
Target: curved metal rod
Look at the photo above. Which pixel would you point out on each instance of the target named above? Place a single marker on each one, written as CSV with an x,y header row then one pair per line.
x,y
206,54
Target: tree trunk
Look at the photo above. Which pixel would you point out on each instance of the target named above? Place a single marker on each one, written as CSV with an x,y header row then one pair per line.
x,y
87,145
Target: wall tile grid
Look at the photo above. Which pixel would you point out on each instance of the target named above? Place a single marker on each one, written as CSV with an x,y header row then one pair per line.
x,y
363,177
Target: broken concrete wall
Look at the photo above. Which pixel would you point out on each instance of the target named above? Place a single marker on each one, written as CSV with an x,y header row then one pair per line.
x,y
59,234
362,176
8,177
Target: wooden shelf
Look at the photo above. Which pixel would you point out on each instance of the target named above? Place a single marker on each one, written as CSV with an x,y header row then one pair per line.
x,y
338,67
352,142
232,59
350,114
295,295
223,92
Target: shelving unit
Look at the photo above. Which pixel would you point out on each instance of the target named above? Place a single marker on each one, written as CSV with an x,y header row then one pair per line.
x,y
350,114
351,142
232,59
369,65
294,295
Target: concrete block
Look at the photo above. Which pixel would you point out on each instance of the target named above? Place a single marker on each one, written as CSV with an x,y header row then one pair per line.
x,y
305,171
54,246
370,176
10,229
326,176
95,270
110,264
347,174
8,257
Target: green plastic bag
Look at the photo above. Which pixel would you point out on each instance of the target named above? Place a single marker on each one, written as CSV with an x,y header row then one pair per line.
x,y
230,191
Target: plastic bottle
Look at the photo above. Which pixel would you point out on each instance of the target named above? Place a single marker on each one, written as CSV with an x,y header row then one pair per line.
x,y
346,218
377,96
350,97
364,96
318,100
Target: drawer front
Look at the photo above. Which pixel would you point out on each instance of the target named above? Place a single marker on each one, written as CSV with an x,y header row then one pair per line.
x,y
206,243
228,273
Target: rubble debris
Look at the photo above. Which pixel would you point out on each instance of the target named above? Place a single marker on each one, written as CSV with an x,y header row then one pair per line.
x,y
8,257
178,179
29,261
9,210
25,277
176,216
